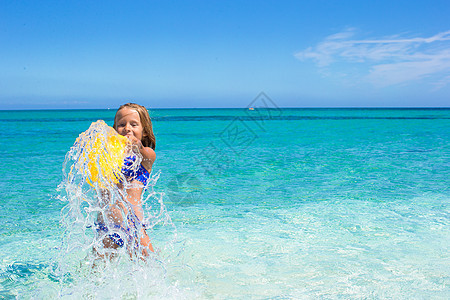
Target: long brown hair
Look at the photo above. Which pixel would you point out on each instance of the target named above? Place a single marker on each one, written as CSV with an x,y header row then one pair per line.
x,y
148,138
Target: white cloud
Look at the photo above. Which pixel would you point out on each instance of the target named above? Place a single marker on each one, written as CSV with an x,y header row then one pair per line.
x,y
387,61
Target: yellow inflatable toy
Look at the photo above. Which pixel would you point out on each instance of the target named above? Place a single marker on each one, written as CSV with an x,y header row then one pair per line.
x,y
101,154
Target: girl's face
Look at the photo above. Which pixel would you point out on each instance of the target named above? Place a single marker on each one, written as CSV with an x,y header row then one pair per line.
x,y
128,123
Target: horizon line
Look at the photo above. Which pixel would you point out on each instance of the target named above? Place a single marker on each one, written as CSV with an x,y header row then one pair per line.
x,y
281,107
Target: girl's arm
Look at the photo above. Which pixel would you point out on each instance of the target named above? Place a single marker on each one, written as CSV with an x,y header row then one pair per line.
x,y
148,154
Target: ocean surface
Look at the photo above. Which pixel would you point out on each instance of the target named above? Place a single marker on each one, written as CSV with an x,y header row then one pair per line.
x,y
256,204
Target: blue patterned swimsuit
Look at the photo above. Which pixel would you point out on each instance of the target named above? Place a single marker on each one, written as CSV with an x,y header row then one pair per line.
x,y
141,174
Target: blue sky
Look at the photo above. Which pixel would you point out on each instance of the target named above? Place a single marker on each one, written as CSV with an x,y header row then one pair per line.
x,y
99,54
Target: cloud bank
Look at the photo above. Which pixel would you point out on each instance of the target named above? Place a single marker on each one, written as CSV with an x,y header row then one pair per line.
x,y
386,61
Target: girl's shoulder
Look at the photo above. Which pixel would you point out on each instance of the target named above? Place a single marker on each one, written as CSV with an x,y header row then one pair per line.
x,y
148,157
148,152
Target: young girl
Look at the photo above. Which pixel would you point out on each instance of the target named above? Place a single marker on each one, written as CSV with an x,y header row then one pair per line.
x,y
133,121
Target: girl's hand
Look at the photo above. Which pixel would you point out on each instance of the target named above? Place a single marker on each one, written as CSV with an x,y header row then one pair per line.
x,y
134,141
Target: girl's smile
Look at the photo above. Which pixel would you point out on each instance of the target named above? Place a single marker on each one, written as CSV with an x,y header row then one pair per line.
x,y
128,123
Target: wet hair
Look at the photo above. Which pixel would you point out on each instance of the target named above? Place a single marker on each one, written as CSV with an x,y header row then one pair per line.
x,y
148,138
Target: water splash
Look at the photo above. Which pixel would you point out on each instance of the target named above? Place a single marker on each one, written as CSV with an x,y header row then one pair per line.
x,y
95,189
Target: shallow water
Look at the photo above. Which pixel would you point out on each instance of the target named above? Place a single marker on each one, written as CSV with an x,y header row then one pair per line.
x,y
290,203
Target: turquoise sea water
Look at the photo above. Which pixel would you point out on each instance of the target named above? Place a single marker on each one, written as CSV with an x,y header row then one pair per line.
x,y
264,204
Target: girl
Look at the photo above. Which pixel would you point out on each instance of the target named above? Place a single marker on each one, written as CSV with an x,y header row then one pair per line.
x,y
133,121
